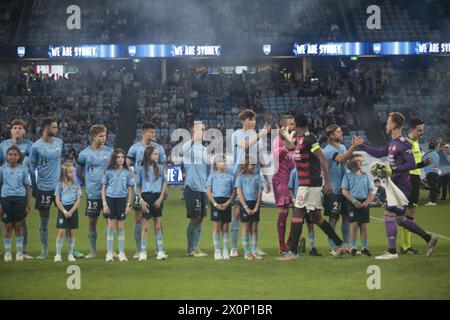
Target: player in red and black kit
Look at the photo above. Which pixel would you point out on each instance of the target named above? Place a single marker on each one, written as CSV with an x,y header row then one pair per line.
x,y
310,162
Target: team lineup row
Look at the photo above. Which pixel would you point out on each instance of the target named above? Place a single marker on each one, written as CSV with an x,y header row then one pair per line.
x,y
303,172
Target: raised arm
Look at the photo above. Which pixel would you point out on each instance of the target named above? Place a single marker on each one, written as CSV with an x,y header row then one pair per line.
x,y
342,158
375,152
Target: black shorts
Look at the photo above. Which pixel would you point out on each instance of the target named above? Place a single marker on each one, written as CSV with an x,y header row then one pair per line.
x,y
196,203
150,198
415,190
136,205
360,215
334,205
219,215
117,208
44,199
13,209
94,207
244,217
308,218
63,223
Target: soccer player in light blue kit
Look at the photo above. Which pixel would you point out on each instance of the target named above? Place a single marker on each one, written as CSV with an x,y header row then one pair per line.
x,y
336,155
67,200
249,185
221,193
18,130
151,183
92,163
116,198
357,188
134,160
45,158
15,200
245,144
197,167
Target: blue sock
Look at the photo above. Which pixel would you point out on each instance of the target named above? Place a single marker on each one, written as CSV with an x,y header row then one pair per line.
x,y
43,234
198,232
156,242
137,235
92,236
71,245
19,244
363,244
331,243
25,237
159,242
7,245
190,236
234,232
109,240
254,242
59,243
245,244
216,240
353,244
121,237
345,229
311,240
143,246
225,241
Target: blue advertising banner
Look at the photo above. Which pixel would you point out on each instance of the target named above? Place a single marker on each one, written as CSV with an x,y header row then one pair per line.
x,y
371,48
174,175
111,51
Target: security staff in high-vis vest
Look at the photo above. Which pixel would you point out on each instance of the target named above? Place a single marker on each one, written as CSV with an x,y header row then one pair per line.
x,y
416,131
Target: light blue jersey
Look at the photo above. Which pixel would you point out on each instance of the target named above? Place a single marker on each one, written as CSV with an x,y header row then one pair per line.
x,y
136,153
46,159
149,182
137,150
249,185
434,165
336,170
358,185
196,165
24,146
239,152
117,183
222,184
293,183
68,194
94,164
14,181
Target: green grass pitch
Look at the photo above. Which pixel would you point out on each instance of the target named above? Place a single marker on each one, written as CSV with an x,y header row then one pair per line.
x,y
181,277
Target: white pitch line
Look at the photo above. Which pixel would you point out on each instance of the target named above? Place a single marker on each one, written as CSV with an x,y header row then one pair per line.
x,y
439,235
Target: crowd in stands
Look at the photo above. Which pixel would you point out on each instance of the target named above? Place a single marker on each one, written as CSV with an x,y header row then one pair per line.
x,y
75,102
216,21
217,99
189,21
7,8
417,93
103,21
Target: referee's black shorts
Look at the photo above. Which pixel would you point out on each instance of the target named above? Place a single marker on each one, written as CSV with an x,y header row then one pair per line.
x,y
415,190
